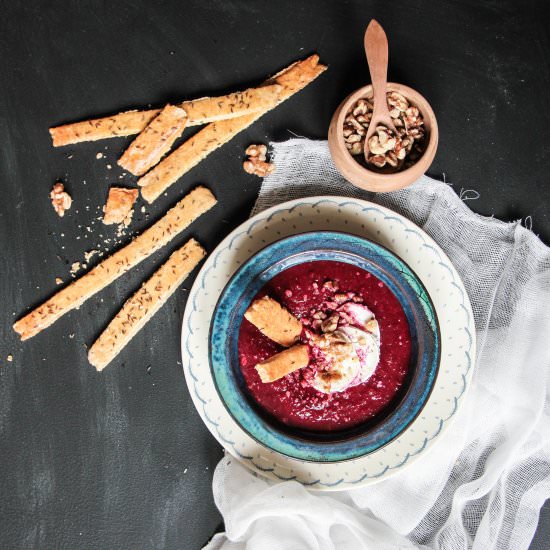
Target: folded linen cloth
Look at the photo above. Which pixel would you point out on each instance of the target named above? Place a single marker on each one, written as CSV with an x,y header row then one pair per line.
x,y
483,483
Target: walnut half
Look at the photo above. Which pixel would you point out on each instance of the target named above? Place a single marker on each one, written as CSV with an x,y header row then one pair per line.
x,y
256,163
61,200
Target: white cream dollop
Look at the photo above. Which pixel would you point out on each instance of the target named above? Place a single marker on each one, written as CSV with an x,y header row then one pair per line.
x,y
351,352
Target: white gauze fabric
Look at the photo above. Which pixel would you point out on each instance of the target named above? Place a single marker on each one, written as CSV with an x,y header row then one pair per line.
x,y
482,484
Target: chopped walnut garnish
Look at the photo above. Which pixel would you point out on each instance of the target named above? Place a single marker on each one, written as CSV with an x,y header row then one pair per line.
x,y
61,200
256,163
331,285
330,324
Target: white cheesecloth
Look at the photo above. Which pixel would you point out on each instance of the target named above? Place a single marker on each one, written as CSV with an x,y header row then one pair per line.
x,y
483,483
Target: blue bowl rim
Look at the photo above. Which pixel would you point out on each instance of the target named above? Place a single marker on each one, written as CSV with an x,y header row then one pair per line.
x,y
405,426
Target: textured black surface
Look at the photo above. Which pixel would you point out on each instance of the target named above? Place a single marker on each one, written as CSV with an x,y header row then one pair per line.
x,y
121,459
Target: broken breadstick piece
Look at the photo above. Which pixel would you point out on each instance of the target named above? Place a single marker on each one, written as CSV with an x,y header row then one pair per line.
x,y
199,111
144,304
187,210
119,206
283,363
199,146
274,320
154,141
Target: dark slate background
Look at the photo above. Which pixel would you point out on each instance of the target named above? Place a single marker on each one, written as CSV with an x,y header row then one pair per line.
x,y
121,459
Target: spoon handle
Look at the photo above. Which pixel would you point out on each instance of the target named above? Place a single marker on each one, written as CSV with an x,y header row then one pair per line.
x,y
376,49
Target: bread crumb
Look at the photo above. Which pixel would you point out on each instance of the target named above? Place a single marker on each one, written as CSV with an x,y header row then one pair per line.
x,y
121,230
74,268
90,254
10,357
109,166
58,281
99,156
71,336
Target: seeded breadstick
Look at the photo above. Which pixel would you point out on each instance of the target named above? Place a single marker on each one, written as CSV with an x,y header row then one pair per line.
x,y
209,109
144,304
189,154
274,320
122,124
216,134
283,363
154,141
199,111
179,217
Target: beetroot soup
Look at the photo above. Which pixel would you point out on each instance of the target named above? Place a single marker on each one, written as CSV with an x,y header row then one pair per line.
x,y
355,339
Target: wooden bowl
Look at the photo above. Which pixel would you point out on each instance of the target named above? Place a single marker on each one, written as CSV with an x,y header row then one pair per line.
x,y
369,179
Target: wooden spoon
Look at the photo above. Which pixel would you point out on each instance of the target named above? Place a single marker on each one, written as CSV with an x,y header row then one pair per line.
x,y
376,48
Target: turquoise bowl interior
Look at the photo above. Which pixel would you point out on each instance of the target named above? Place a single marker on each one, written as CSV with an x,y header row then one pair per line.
x,y
247,282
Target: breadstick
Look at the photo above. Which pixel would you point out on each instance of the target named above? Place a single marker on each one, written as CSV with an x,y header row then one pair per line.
x,y
122,124
179,217
209,109
154,141
195,149
274,320
144,304
283,363
199,111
